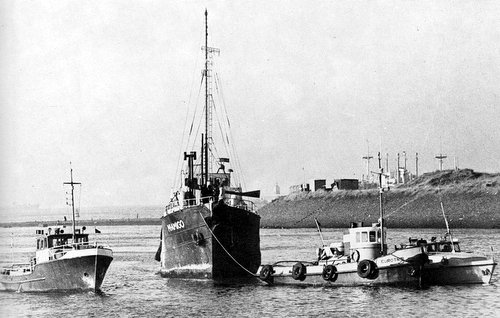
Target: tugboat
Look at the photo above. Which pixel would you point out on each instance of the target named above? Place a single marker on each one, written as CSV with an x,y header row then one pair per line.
x,y
208,229
448,265
62,262
360,259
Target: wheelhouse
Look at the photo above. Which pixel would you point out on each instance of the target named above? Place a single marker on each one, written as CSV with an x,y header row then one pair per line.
x,y
53,238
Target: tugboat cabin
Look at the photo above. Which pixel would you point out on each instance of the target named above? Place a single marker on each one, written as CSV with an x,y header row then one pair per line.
x,y
53,243
434,246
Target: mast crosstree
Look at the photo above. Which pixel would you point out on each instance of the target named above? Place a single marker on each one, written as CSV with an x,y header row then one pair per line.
x,y
72,183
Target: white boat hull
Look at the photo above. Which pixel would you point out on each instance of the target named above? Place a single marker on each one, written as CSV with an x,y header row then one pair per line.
x,y
347,276
76,270
458,268
387,270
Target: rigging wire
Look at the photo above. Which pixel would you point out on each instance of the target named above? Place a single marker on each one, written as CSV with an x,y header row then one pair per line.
x,y
221,130
179,160
232,144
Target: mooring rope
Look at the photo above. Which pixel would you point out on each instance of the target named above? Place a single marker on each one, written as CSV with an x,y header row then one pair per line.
x,y
400,207
227,252
305,217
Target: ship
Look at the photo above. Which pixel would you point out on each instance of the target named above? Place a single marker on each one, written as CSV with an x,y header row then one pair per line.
x,y
63,261
359,260
210,229
449,264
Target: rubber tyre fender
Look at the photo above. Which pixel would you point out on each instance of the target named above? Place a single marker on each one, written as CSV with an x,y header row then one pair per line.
x,y
367,269
299,271
330,273
266,273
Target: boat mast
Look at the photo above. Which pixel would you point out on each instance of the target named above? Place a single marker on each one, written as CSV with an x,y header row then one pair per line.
x,y
206,98
72,199
209,51
381,206
448,232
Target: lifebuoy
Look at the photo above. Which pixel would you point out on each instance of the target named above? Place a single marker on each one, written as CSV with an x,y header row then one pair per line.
x,y
330,273
299,271
367,269
266,273
355,256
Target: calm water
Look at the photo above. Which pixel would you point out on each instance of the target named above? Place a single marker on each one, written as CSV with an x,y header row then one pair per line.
x,y
133,289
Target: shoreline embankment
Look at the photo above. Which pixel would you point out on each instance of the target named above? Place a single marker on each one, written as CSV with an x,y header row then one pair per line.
x,y
470,200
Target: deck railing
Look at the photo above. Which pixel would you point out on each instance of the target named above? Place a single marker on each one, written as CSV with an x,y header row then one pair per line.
x,y
237,203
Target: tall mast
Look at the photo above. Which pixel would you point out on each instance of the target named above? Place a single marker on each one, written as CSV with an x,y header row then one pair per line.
x,y
206,96
72,199
209,51
381,205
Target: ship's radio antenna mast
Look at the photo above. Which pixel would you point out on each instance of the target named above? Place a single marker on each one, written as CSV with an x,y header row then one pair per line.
x,y
209,51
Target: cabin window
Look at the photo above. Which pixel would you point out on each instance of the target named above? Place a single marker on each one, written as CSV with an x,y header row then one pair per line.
x,y
364,236
373,236
457,247
446,248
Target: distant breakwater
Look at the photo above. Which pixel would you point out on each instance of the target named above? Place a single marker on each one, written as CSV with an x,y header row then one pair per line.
x,y
88,223
403,209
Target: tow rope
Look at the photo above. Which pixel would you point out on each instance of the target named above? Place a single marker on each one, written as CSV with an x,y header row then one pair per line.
x,y
227,252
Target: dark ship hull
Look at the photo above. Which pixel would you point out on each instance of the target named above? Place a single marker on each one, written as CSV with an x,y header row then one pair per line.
x,y
222,244
71,274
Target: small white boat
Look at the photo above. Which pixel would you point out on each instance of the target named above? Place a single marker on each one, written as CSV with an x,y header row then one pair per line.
x,y
448,265
62,262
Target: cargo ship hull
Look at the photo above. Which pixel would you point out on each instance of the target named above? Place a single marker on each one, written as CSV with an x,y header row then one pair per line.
x,y
222,244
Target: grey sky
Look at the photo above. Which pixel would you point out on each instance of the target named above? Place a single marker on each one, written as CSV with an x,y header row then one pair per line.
x,y
105,84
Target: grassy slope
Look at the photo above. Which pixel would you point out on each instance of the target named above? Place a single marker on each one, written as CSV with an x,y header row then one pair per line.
x,y
470,199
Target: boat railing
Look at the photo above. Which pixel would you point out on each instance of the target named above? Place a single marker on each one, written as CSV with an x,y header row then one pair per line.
x,y
241,204
237,203
61,250
176,204
16,268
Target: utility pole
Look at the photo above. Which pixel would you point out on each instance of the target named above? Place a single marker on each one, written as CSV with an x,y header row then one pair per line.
x,y
387,163
368,158
416,164
441,157
397,171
